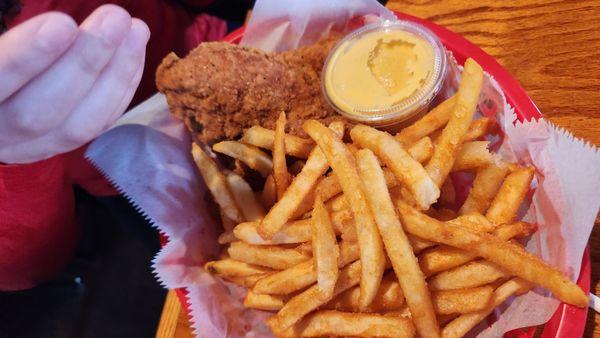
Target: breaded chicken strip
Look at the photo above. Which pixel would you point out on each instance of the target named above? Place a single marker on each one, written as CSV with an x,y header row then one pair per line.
x,y
220,89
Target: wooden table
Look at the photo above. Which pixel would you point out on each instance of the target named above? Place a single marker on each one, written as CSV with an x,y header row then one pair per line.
x,y
552,47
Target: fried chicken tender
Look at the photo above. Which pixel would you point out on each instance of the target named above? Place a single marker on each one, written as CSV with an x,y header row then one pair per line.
x,y
220,89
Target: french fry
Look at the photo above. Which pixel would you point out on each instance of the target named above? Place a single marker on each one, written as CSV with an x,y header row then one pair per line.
x,y
397,245
244,197
479,128
451,139
473,221
464,323
341,324
216,183
430,122
245,281
389,298
231,268
309,300
473,155
269,256
485,186
300,187
462,301
264,138
510,196
405,168
443,257
226,237
295,232
305,248
325,250
419,244
421,150
268,196
337,203
510,257
302,275
344,166
264,302
280,172
472,274
251,156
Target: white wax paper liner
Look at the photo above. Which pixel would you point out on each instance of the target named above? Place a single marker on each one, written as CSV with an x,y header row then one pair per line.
x,y
146,155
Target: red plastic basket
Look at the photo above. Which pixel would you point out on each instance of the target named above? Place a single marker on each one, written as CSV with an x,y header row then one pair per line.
x,y
568,321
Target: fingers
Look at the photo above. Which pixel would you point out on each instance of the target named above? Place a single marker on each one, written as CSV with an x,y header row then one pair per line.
x,y
31,47
116,84
45,101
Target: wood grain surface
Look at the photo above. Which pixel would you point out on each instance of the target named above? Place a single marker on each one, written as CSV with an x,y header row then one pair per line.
x,y
551,47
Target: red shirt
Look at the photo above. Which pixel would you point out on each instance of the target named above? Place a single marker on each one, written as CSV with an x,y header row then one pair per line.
x,y
37,225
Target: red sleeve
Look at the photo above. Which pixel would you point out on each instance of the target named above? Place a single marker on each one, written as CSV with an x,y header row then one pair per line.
x,y
37,225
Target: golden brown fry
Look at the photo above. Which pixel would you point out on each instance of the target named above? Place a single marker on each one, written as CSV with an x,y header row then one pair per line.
x,y
341,324
451,139
472,156
435,119
473,221
419,244
397,245
344,166
232,268
226,237
336,324
280,172
216,183
309,300
462,301
464,323
302,275
445,257
389,298
244,197
405,168
510,196
421,150
485,186
337,203
264,302
325,250
282,211
246,281
253,157
512,258
269,256
264,138
268,196
479,128
304,248
472,274
294,232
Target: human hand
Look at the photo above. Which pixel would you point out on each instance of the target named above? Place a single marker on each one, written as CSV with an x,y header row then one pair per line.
x,y
62,85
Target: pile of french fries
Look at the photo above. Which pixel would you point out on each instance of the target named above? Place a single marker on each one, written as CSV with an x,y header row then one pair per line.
x,y
353,239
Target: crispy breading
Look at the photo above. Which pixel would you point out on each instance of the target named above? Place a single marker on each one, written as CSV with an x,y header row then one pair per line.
x,y
220,89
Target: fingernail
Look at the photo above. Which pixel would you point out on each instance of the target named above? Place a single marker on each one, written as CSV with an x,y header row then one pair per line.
x,y
138,36
114,24
56,33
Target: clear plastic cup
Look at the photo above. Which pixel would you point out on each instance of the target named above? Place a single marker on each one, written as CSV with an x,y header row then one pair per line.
x,y
379,113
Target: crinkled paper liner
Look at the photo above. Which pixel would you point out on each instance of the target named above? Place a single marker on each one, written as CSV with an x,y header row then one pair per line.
x,y
146,156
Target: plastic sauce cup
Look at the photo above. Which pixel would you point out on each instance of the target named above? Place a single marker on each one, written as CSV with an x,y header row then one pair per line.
x,y
385,74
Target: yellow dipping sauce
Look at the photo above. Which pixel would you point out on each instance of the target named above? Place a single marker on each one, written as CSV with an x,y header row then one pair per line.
x,y
374,71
